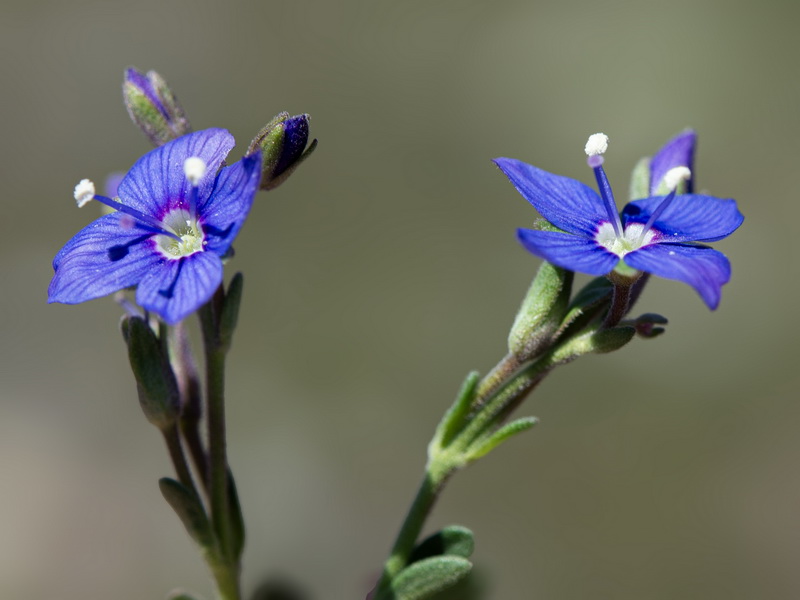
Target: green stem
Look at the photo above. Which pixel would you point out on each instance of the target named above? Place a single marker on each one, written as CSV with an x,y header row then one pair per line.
x,y
217,445
175,448
412,526
226,570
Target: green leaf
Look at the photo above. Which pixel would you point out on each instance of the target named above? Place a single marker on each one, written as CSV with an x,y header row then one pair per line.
x,y
190,511
181,595
427,577
453,540
455,417
482,446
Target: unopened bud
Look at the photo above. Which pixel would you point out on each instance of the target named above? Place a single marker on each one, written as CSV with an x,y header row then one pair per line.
x,y
282,142
155,381
541,312
153,107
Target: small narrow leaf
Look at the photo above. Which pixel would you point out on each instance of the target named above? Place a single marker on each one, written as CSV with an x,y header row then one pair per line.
x,y
454,418
427,577
482,446
453,540
188,508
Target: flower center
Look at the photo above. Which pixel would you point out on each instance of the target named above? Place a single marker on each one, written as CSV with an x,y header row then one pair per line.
x,y
189,235
631,239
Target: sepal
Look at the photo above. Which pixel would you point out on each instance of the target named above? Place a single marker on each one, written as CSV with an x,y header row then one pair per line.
x,y
640,180
158,389
282,142
153,107
592,300
541,312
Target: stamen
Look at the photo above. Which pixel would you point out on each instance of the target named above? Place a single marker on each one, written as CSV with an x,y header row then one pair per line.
x,y
675,176
84,192
194,168
596,145
673,179
149,222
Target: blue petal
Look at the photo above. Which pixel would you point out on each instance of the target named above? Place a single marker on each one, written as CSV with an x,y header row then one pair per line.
x,y
157,184
179,287
223,214
703,268
101,259
566,203
678,152
689,218
569,251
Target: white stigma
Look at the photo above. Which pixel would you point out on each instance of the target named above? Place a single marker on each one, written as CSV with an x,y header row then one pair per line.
x,y
675,176
194,168
84,192
596,145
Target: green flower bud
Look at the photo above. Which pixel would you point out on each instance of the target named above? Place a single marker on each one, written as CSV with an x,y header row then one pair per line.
x,y
153,107
282,142
541,312
155,381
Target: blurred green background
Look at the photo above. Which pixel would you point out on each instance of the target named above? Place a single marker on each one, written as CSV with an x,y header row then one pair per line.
x,y
384,270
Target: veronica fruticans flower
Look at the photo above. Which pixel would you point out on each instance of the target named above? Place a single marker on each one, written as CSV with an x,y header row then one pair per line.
x,y
176,214
656,235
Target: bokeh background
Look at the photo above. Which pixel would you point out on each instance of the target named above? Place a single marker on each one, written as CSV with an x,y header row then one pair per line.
x,y
384,270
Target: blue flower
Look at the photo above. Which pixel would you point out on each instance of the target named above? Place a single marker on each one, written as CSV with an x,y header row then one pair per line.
x,y
656,235
176,215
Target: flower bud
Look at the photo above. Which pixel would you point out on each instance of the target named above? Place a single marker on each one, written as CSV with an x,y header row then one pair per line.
x,y
155,381
153,107
541,312
283,146
646,325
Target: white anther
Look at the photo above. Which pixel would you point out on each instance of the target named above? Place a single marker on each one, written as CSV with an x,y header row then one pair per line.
x,y
84,192
675,176
194,168
596,145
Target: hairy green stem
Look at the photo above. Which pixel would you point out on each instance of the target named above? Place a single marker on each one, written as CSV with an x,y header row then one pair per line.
x,y
226,571
426,497
498,393
175,448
